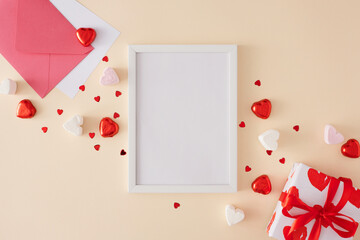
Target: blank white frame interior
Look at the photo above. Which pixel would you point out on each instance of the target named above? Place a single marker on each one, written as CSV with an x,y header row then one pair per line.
x,y
182,118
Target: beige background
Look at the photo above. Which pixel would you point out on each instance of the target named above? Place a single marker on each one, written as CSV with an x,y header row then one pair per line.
x,y
306,53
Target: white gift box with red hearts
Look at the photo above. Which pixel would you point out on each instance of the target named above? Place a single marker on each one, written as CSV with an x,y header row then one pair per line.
x,y
312,187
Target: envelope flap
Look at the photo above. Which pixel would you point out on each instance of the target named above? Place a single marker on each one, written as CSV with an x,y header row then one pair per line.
x,y
41,28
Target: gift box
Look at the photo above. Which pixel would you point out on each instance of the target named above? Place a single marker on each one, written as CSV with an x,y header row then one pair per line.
x,y
315,206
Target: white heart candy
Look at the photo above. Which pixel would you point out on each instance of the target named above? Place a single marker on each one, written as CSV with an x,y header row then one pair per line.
x,y
109,77
269,139
73,125
331,136
233,215
8,86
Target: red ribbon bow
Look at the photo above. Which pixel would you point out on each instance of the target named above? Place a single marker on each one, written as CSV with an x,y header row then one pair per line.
x,y
324,216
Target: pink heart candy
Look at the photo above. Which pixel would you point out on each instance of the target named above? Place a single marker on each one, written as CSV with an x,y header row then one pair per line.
x,y
109,77
331,136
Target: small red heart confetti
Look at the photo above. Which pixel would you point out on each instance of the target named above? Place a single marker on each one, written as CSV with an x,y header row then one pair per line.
x,y
97,99
91,135
82,87
85,36
296,128
25,109
262,185
242,124
247,169
97,147
351,149
60,111
116,115
122,153
108,128
176,205
262,108
269,152
282,160
105,59
118,93
44,129
258,83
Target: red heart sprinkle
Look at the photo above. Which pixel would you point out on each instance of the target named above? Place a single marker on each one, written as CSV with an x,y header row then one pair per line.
x,y
117,93
351,149
282,160
97,98
269,152
97,147
176,205
247,169
116,115
85,36
262,185
262,108
25,109
318,179
60,111
355,198
91,135
122,153
258,83
108,128
44,129
82,87
105,59
242,124
296,128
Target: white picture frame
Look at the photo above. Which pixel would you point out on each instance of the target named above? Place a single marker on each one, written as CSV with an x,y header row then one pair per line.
x,y
182,118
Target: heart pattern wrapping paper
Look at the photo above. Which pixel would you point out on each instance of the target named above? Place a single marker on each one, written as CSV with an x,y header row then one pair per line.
x,y
312,187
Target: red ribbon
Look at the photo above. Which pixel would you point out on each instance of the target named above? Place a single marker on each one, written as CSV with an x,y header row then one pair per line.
x,y
324,216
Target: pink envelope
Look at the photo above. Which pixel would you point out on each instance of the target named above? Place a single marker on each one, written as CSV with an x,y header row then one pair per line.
x,y
39,42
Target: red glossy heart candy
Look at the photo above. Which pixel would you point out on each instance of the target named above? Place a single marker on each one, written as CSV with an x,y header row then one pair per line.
x,y
262,185
108,128
25,109
351,149
86,36
262,108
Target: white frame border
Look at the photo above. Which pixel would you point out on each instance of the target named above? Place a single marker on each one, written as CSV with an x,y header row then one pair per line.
x,y
232,186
